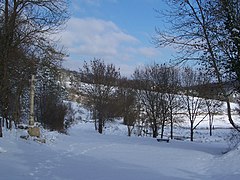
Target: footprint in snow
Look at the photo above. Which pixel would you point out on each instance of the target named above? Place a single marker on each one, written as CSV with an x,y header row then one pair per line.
x,y
95,148
2,150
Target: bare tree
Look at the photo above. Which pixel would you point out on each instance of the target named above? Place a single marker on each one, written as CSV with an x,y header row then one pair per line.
x,y
173,87
191,101
102,92
128,104
24,42
148,98
197,32
213,107
151,90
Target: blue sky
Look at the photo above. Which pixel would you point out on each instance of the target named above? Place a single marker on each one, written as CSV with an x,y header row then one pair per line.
x,y
116,31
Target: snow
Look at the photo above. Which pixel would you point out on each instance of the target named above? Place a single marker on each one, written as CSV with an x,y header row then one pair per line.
x,y
86,155
2,150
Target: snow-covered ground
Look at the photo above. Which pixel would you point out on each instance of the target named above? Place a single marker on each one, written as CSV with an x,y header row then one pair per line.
x,y
84,154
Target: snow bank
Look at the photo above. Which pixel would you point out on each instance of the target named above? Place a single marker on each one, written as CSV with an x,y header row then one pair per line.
x,y
226,166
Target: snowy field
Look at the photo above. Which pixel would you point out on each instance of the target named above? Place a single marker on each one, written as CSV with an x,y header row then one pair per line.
x,y
84,154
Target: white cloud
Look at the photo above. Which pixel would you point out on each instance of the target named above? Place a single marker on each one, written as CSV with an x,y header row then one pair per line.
x,y
95,3
148,51
88,38
94,37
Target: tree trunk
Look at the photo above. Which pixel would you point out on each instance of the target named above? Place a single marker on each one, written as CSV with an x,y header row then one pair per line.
x,y
171,120
155,130
210,124
100,126
1,134
95,124
17,111
7,124
125,122
191,134
210,130
129,130
10,124
155,133
94,115
162,128
5,80
229,113
100,123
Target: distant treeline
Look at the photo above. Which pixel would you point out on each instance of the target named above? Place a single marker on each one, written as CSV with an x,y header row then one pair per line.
x,y
152,98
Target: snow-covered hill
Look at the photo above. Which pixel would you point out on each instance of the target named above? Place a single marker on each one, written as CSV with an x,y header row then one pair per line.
x,y
86,155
